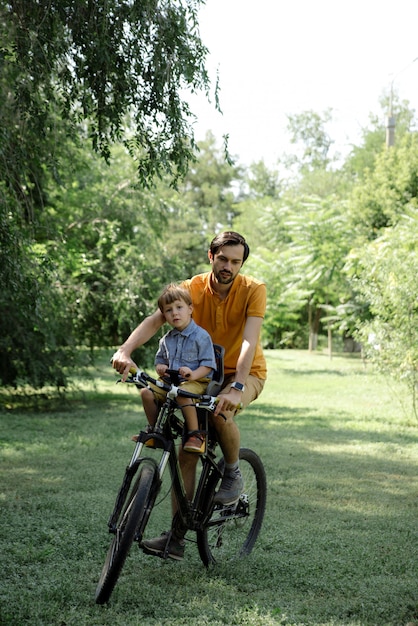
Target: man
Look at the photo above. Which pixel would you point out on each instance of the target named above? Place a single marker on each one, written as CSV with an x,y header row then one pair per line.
x,y
230,307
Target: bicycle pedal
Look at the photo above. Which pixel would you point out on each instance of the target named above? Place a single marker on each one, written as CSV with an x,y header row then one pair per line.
x,y
226,508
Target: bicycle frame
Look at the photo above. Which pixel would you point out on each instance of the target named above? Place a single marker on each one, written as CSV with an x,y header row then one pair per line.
x,y
223,532
191,515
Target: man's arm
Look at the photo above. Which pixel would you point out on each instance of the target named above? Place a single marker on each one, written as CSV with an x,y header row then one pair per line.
x,y
249,344
121,360
245,360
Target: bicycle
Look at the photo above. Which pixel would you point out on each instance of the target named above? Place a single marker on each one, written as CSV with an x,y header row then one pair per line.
x,y
222,532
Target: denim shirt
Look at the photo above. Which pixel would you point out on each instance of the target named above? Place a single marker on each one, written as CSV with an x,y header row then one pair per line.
x,y
191,347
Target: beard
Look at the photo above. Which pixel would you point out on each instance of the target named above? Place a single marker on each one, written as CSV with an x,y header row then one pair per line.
x,y
224,278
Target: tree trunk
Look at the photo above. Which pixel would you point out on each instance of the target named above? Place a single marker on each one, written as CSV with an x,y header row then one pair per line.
x,y
329,342
314,320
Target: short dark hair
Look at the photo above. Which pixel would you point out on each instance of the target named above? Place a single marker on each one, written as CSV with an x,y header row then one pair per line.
x,y
172,293
229,238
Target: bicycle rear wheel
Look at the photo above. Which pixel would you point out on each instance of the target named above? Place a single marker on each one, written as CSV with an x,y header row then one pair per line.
x,y
231,531
130,527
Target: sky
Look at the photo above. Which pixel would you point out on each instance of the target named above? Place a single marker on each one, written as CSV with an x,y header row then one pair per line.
x,y
282,57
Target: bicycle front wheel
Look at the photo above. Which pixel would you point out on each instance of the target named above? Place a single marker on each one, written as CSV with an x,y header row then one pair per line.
x,y
231,532
130,527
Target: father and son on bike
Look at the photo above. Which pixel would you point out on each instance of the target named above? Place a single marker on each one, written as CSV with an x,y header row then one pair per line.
x,y
227,308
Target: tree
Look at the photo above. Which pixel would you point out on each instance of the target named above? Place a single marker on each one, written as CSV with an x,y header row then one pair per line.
x,y
262,181
106,71
35,332
380,197
204,204
306,227
286,298
316,253
109,245
384,273
308,130
113,69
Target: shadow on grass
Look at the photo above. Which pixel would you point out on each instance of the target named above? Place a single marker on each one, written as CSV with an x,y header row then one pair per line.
x,y
260,417
318,372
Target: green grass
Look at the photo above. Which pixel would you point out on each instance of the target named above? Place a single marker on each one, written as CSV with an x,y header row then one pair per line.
x,y
339,545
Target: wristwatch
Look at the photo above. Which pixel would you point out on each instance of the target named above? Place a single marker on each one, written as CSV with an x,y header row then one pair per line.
x,y
238,386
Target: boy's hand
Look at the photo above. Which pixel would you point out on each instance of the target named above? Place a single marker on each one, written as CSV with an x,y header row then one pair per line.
x,y
161,369
186,372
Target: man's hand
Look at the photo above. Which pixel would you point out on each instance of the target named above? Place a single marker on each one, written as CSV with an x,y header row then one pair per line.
x,y
122,363
228,401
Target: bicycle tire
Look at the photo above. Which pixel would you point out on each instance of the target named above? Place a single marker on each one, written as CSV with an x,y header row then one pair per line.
x,y
231,532
130,527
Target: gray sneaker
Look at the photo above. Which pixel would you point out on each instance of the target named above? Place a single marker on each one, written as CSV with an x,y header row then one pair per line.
x,y
165,546
231,488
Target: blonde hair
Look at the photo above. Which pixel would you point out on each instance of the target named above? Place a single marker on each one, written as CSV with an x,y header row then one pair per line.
x,y
172,293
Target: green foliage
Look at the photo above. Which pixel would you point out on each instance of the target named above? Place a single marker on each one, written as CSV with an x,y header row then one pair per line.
x,y
286,299
362,159
308,130
98,74
303,266
35,331
380,198
385,274
263,182
116,259
116,68
116,245
204,203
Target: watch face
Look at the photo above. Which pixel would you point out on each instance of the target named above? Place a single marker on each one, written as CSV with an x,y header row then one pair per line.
x,y
238,386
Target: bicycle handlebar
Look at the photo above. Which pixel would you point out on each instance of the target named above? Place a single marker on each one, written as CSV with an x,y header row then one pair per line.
x,y
141,378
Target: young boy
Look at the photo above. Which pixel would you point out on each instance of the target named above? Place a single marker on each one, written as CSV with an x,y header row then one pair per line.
x,y
187,348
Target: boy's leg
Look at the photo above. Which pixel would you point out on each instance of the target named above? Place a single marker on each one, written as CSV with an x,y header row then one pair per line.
x,y
150,405
187,464
194,442
150,402
189,412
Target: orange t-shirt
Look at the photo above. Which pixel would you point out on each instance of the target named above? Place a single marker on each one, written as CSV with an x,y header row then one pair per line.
x,y
225,320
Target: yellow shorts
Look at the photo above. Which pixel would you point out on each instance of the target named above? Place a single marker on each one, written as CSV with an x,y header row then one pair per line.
x,y
253,388
194,386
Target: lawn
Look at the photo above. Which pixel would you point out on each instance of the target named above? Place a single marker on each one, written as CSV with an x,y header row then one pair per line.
x,y
339,545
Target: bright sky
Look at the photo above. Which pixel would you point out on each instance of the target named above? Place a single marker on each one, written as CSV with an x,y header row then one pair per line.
x,y
279,57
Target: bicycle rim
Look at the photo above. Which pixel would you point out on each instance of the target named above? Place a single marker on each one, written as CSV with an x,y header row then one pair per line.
x,y
131,524
232,531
